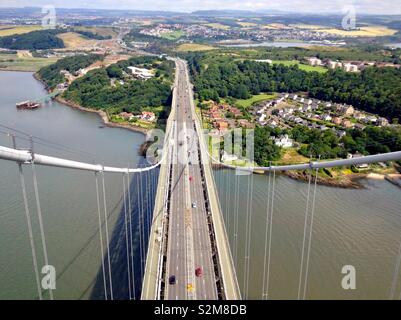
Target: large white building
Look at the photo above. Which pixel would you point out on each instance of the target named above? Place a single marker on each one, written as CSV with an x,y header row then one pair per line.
x,y
141,73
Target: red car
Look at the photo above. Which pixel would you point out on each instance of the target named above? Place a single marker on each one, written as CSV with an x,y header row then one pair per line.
x,y
198,272
191,178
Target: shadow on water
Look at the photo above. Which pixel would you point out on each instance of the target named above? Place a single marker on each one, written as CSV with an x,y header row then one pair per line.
x,y
141,202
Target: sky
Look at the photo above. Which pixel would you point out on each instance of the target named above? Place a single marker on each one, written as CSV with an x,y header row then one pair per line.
x,y
311,6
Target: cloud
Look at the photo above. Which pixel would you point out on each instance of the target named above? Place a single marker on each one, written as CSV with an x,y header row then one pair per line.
x,y
313,6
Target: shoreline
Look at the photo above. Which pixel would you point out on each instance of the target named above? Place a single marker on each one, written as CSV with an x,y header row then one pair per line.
x,y
102,114
17,70
352,181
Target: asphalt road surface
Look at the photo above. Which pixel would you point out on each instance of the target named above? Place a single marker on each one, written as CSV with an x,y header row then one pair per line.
x,y
189,244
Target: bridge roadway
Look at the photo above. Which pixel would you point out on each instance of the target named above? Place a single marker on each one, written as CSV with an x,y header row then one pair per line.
x,y
189,244
183,231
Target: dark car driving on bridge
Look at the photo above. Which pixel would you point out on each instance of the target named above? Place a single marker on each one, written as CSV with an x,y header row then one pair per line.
x,y
199,272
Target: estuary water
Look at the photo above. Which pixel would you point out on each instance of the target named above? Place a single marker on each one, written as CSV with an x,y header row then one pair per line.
x,y
361,228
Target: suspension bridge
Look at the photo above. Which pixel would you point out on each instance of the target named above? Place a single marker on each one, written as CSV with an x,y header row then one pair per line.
x,y
184,250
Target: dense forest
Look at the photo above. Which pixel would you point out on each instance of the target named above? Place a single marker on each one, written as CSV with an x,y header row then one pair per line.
x,y
35,40
43,39
95,90
325,144
371,140
376,90
51,74
91,35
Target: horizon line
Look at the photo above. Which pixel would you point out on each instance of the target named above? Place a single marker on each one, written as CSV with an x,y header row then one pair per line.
x,y
255,11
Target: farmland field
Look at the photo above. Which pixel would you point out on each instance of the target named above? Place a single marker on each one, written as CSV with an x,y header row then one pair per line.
x,y
218,26
246,24
13,62
8,30
74,40
174,35
371,31
192,47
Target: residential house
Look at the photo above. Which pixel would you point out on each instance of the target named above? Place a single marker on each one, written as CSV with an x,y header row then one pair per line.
x,y
346,110
337,121
148,116
126,115
347,124
245,124
221,125
371,119
262,118
382,122
284,141
326,117
357,156
359,116
334,64
349,67
315,61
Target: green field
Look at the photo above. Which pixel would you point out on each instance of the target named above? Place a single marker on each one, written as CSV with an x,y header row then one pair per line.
x,y
8,30
11,62
255,99
174,35
194,47
301,66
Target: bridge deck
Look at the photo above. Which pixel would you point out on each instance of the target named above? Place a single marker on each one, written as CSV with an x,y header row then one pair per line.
x,y
192,210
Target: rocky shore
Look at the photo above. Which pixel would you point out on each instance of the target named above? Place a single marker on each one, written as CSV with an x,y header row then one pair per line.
x,y
351,181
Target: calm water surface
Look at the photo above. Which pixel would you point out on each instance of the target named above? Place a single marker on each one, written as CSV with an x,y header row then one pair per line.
x,y
68,197
351,227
